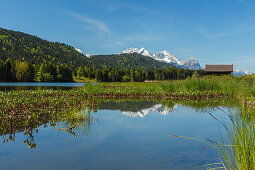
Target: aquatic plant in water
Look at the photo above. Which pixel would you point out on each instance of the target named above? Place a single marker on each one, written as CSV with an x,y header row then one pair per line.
x,y
238,150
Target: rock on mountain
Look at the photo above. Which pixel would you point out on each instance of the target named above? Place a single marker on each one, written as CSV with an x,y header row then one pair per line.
x,y
142,51
165,56
191,63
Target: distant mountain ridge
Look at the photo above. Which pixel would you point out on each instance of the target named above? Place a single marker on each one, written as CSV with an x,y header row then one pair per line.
x,y
165,56
25,47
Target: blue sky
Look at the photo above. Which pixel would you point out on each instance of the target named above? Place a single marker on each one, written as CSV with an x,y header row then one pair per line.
x,y
214,31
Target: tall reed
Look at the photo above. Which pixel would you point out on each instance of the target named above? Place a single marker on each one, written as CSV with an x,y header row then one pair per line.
x,y
237,150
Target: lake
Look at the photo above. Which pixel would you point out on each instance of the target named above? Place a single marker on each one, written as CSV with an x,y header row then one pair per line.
x,y
120,135
38,85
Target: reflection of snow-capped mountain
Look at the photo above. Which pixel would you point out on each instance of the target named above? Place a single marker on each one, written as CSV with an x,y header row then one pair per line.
x,y
159,108
165,56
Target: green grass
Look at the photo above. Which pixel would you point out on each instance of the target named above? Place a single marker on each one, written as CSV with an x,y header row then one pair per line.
x,y
238,152
242,88
83,80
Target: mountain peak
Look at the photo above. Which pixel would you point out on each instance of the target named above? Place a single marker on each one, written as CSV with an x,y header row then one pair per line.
x,y
167,57
145,52
131,50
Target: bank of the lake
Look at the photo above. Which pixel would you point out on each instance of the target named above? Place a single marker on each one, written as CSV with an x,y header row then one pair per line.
x,y
30,110
241,88
39,85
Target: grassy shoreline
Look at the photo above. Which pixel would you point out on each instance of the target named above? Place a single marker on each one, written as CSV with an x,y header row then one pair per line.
x,y
239,88
242,88
28,109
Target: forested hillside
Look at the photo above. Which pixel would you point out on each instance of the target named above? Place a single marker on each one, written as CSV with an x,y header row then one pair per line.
x,y
24,47
24,57
127,61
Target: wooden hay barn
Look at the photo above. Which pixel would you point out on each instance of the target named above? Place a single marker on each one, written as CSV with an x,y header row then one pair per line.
x,y
218,69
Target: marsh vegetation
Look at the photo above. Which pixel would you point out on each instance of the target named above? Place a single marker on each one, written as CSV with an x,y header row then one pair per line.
x,y
72,110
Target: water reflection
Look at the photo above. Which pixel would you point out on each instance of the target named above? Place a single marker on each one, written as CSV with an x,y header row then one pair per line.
x,y
144,108
38,86
129,135
70,120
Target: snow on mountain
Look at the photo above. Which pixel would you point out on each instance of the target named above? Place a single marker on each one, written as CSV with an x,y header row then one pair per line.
x,y
238,72
159,108
131,50
144,52
165,56
191,63
88,55
79,50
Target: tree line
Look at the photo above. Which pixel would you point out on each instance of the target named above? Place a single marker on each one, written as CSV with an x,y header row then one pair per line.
x,y
111,74
24,71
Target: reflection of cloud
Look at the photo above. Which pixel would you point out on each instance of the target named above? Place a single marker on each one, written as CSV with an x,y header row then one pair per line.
x,y
159,108
92,24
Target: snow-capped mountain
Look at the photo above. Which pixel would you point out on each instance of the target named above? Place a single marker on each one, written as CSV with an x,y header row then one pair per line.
x,y
159,108
238,72
165,56
88,55
131,50
79,50
142,51
191,63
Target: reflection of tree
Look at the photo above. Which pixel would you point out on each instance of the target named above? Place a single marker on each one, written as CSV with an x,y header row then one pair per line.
x,y
30,138
79,114
72,118
77,121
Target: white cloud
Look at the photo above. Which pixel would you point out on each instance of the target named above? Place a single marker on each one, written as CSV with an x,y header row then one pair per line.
x,y
92,24
203,31
112,6
141,38
114,43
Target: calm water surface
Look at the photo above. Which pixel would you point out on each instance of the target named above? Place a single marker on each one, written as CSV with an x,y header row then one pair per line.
x,y
125,135
38,86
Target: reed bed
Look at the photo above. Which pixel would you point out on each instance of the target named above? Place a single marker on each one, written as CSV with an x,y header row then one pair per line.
x,y
208,87
237,151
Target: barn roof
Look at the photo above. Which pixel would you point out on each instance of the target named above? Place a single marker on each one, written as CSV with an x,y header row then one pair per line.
x,y
219,68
